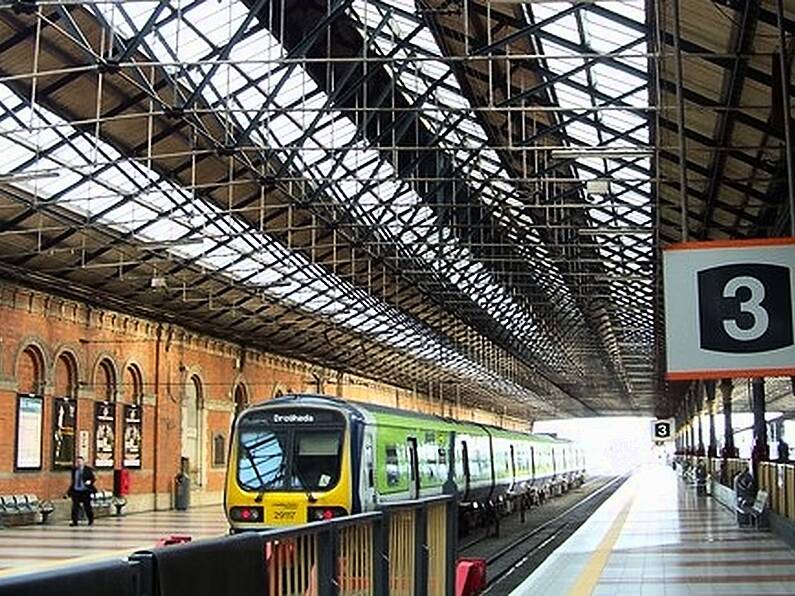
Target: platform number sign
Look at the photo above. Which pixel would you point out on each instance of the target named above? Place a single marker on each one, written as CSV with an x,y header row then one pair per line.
x,y
729,309
663,430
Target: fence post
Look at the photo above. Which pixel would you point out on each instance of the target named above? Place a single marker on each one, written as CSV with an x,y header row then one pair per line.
x,y
452,546
381,555
145,563
420,551
327,581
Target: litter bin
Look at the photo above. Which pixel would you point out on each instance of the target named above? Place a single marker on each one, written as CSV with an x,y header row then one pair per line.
x,y
181,491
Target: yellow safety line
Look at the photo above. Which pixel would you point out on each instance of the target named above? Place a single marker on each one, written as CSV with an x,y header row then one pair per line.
x,y
68,562
589,577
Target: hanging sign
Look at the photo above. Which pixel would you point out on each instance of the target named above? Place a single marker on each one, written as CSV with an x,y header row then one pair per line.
x,y
63,432
729,309
132,436
30,413
662,430
104,434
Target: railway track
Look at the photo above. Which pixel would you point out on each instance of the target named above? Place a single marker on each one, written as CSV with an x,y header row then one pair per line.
x,y
531,547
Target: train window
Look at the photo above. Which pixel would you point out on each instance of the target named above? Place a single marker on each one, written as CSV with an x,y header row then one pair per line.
x,y
316,459
262,459
392,465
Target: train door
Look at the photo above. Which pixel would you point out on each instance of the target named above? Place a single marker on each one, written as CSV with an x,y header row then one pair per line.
x,y
513,468
465,467
554,467
368,492
414,471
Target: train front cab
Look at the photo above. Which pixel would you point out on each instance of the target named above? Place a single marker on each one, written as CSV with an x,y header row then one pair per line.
x,y
288,466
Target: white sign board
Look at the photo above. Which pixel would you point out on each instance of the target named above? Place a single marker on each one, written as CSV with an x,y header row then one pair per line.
x,y
662,430
729,309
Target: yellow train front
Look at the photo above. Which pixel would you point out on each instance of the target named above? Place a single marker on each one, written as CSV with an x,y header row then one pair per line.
x,y
288,465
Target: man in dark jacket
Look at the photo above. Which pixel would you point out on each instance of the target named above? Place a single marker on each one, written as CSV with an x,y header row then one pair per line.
x,y
81,488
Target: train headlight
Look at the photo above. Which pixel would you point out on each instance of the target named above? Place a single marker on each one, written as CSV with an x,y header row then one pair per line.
x,y
325,513
246,514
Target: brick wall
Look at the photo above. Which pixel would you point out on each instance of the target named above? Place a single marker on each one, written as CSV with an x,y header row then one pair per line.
x,y
53,346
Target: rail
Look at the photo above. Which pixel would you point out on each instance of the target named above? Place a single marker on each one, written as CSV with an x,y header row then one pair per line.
x,y
777,479
403,549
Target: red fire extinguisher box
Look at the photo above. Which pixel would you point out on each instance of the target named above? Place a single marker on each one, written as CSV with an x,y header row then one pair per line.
x,y
121,482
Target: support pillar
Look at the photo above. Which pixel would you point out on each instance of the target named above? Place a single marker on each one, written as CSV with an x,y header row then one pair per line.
x,y
699,399
712,449
760,451
726,388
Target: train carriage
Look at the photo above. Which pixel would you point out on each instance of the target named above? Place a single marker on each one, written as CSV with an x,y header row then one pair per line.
x,y
304,458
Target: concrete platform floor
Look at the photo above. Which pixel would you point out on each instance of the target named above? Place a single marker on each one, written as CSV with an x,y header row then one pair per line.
x,y
33,548
654,536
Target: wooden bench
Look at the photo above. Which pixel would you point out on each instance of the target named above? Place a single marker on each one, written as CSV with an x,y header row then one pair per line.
x,y
756,511
102,503
20,510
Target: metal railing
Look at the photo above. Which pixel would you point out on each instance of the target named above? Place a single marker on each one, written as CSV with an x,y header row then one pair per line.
x,y
404,549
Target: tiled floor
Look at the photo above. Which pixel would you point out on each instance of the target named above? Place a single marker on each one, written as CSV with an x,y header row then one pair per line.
x,y
29,548
654,536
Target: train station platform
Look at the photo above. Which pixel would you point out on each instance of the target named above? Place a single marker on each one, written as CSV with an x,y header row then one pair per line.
x,y
34,548
655,536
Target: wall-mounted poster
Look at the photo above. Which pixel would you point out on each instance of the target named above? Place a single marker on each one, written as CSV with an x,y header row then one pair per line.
x,y
104,434
132,436
63,432
30,414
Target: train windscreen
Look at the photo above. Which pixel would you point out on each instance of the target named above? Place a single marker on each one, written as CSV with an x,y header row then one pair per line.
x,y
291,457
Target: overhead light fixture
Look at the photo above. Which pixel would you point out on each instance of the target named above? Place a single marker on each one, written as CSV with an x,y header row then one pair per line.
x,y
601,153
24,176
158,283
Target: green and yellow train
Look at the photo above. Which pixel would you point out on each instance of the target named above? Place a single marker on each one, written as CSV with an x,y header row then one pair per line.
x,y
303,458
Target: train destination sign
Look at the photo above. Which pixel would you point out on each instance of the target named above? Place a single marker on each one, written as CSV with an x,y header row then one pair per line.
x,y
729,308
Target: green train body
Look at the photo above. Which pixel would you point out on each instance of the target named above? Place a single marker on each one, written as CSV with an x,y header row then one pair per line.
x,y
303,457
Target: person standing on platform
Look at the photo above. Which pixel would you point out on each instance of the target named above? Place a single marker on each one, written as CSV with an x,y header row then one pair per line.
x,y
80,490
783,451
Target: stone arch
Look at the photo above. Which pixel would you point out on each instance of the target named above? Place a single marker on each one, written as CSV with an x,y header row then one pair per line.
x,y
192,423
240,395
30,368
132,384
105,380
279,389
66,374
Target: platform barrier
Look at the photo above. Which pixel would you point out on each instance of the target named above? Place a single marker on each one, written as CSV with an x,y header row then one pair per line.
x,y
404,549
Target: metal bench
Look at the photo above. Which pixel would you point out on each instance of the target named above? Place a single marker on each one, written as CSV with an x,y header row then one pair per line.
x,y
758,510
20,510
102,503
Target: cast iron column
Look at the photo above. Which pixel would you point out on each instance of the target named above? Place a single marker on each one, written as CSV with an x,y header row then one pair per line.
x,y
712,450
760,451
726,388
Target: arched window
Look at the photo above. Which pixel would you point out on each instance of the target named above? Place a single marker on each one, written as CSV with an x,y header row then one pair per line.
x,y
191,427
30,371
105,381
133,385
241,398
65,376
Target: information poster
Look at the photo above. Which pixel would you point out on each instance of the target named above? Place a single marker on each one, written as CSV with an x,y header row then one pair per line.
x,y
63,432
104,434
132,436
30,411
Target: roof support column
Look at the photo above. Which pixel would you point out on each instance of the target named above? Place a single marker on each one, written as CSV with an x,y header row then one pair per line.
x,y
712,449
760,451
726,388
699,411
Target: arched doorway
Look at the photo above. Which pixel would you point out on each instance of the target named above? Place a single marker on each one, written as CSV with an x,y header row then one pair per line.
x,y
241,399
191,429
